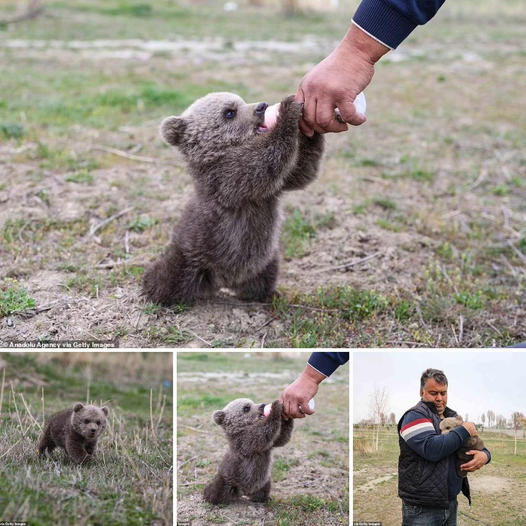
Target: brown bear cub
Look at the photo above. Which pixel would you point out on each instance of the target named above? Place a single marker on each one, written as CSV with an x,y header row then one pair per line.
x,y
446,425
76,431
245,469
229,231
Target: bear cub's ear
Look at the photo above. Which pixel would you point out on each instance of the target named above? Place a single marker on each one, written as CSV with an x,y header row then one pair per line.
x,y
219,417
105,410
78,407
172,130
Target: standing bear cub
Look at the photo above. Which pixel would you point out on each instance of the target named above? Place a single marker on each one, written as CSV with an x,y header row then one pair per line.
x,y
76,430
241,161
245,469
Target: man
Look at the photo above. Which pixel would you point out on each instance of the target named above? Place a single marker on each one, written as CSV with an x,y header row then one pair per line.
x,y
428,483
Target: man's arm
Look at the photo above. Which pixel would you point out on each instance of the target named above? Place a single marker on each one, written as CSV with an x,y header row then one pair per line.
x,y
420,435
391,21
377,27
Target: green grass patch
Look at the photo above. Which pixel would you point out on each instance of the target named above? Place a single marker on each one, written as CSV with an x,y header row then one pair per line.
x,y
80,177
142,223
13,298
128,482
470,300
12,130
299,228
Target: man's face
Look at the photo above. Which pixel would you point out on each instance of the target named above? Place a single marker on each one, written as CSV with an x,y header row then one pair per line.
x,y
436,393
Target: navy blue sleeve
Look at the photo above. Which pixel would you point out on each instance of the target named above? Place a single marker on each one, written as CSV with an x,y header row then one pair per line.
x,y
327,362
391,21
420,435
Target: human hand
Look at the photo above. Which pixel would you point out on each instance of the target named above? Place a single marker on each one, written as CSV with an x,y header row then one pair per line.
x,y
298,393
472,430
479,459
336,81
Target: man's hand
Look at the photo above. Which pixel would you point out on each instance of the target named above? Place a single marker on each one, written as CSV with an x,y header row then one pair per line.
x,y
336,81
299,392
479,459
472,430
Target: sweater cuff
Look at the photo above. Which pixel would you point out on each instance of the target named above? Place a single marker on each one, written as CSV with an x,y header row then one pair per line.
x,y
385,24
323,363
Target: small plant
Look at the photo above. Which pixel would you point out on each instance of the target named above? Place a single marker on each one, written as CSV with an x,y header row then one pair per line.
x,y
472,301
403,310
12,130
298,230
501,190
445,251
80,177
141,223
13,298
385,203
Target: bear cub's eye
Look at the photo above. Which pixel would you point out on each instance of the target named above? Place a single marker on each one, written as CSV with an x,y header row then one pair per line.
x,y
246,409
230,114
86,421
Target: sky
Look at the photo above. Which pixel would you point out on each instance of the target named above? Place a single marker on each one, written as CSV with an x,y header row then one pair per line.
x,y
478,381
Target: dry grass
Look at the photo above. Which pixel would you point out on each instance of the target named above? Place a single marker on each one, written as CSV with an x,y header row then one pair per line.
x,y
130,482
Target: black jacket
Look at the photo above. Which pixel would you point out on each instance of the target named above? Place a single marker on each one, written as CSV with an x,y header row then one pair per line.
x,y
421,482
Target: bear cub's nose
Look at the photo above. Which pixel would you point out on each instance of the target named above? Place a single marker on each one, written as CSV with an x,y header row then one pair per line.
x,y
260,108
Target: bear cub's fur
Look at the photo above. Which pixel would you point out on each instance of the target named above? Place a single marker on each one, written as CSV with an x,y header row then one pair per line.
x,y
451,422
246,466
228,234
75,430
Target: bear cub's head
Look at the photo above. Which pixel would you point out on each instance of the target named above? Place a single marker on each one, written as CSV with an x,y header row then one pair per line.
x,y
89,421
217,120
450,423
239,414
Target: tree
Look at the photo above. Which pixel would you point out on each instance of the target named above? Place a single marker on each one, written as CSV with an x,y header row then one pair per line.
x,y
516,419
491,417
379,401
392,419
501,422
483,418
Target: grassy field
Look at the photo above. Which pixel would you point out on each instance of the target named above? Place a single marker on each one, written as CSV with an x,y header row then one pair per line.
x,y
310,475
431,191
130,481
498,490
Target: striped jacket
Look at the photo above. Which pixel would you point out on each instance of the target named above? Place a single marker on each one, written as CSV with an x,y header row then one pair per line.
x,y
426,468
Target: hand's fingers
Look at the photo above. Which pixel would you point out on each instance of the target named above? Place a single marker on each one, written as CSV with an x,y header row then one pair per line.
x,y
306,129
350,115
300,96
309,113
326,118
296,410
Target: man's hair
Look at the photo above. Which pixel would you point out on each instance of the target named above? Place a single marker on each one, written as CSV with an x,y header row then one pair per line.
x,y
436,374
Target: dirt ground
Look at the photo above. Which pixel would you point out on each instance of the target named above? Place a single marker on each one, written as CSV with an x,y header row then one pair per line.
x,y
71,249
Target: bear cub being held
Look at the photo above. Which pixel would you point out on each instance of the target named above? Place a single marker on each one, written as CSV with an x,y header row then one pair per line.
x,y
451,422
241,163
75,430
245,468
